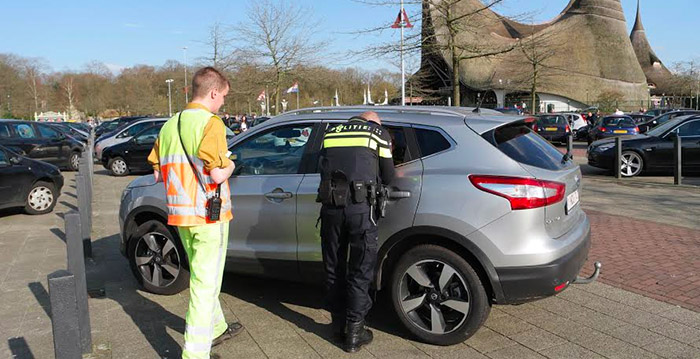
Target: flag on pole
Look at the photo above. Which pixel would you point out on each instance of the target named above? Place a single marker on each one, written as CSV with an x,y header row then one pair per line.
x,y
262,96
397,23
294,88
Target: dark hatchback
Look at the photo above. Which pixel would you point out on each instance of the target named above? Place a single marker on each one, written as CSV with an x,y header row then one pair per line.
x,y
41,141
653,151
131,156
661,119
612,126
554,128
109,126
27,183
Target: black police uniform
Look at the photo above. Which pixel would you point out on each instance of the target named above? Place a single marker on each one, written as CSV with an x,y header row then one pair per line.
x,y
356,157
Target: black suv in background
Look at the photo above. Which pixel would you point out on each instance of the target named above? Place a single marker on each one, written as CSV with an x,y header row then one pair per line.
x,y
41,141
27,183
132,155
109,126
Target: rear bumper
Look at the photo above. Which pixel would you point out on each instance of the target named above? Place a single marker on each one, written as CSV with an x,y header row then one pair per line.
x,y
524,284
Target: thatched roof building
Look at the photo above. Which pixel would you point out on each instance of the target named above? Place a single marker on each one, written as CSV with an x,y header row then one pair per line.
x,y
591,53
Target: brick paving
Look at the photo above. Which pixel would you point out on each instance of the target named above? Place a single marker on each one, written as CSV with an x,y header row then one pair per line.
x,y
658,260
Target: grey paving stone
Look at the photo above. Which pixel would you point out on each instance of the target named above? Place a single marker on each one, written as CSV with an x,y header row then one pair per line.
x,y
450,352
507,325
486,340
614,348
669,348
682,315
515,352
635,335
538,339
679,332
570,351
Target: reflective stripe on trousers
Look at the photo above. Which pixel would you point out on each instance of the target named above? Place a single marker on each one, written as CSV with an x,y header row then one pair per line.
x,y
206,249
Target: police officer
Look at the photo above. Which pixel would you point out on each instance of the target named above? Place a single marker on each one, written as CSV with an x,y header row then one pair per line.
x,y
354,162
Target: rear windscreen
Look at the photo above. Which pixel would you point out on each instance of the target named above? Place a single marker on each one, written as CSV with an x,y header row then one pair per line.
x,y
551,120
618,121
521,144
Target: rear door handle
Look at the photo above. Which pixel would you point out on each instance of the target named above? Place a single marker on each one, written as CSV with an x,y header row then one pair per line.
x,y
278,195
399,194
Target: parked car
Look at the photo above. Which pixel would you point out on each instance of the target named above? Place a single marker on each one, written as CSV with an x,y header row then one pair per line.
x,y
461,231
653,151
112,125
259,120
41,141
576,122
131,156
125,133
78,134
661,119
640,118
612,126
554,128
24,182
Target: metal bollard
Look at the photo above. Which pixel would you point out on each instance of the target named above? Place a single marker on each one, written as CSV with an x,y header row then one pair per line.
x,y
64,315
618,157
677,160
76,265
570,145
85,209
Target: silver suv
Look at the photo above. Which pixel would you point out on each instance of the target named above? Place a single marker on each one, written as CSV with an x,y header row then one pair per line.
x,y
493,215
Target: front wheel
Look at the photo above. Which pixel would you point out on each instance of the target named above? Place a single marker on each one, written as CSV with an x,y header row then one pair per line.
x,y
631,164
74,161
41,198
118,167
438,296
158,259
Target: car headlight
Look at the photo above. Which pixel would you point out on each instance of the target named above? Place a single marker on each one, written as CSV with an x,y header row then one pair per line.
x,y
604,147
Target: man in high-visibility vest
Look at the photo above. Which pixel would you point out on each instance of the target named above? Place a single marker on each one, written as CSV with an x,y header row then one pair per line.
x,y
191,158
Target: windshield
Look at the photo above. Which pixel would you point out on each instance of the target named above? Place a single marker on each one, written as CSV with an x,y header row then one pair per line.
x,y
661,129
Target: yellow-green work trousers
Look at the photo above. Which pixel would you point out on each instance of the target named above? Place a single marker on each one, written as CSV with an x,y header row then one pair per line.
x,y
206,250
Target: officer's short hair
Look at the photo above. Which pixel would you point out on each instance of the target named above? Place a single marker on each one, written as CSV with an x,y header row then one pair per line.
x,y
207,79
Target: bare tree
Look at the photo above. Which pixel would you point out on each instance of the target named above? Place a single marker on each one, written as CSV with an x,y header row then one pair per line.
x,y
279,35
32,73
68,85
221,54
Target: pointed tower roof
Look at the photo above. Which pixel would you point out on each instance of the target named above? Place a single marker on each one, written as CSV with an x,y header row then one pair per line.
x,y
657,74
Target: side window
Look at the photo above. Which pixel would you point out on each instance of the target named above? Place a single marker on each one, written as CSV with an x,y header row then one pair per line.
x,y
274,152
399,150
24,130
47,132
148,136
689,129
133,130
4,131
3,159
430,141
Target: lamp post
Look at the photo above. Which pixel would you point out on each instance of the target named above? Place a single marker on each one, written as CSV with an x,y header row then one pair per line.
x,y
187,100
170,102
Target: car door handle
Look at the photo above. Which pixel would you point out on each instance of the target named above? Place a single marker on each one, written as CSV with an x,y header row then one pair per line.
x,y
278,195
399,194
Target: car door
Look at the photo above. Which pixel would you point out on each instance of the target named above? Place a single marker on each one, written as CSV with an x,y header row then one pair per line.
x,y
263,235
54,146
26,140
400,213
689,133
136,154
15,179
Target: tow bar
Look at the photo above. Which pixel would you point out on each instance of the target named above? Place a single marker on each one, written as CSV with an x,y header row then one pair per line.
x,y
592,278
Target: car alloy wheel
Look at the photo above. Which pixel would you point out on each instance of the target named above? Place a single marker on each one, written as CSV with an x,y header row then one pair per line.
x,y
157,259
631,164
435,297
40,198
75,161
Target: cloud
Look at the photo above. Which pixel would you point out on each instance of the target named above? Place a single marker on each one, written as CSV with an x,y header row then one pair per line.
x,y
116,69
133,25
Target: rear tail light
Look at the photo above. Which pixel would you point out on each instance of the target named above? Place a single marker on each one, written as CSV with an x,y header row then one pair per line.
x,y
568,129
522,193
636,129
603,129
534,127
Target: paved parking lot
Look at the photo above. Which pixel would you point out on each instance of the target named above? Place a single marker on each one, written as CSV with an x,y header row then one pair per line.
x,y
646,305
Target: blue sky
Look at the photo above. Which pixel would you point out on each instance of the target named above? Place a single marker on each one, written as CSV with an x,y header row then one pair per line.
x,y
72,33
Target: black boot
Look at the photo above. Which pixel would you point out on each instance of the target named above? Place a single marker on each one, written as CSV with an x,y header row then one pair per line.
x,y
356,335
338,326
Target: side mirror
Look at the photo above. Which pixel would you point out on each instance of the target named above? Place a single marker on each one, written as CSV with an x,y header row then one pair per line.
x,y
15,160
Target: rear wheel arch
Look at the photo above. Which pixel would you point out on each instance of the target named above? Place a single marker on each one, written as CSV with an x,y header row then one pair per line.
x,y
392,250
142,215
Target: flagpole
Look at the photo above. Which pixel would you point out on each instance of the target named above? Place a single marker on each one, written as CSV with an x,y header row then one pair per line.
x,y
403,74
297,97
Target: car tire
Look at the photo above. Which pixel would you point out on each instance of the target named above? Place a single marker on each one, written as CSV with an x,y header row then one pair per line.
x,y
117,167
631,164
74,161
41,198
444,316
158,259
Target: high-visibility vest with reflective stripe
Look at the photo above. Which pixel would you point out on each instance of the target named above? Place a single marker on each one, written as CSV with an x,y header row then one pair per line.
x,y
186,200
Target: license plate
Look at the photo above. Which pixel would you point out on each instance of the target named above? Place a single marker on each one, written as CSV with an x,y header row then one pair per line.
x,y
620,131
551,129
571,201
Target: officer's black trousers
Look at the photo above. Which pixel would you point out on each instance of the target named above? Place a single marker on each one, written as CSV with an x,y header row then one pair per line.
x,y
348,279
